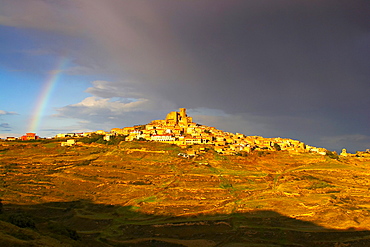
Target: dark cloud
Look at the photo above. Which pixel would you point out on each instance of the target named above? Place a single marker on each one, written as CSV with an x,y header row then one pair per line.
x,y
297,68
338,142
274,61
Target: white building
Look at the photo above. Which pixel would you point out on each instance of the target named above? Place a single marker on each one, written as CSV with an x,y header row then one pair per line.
x,y
163,138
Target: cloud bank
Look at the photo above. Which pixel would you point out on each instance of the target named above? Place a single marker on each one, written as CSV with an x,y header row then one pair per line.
x,y
276,68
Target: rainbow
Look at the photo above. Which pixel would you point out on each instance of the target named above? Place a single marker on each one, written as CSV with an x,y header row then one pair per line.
x,y
44,96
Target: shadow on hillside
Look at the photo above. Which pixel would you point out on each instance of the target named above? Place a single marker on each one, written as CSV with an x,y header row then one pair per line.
x,y
83,223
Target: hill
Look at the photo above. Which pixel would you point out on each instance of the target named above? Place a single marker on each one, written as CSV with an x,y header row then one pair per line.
x,y
145,194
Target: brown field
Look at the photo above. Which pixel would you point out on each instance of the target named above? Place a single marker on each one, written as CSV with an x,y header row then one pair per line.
x,y
144,194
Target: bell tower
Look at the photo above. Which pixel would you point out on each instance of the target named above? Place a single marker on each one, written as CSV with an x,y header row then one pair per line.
x,y
183,117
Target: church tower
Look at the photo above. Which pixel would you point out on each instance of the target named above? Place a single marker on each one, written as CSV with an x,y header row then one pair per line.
x,y
183,118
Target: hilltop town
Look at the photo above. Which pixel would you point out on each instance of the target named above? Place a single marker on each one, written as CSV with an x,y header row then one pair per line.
x,y
178,128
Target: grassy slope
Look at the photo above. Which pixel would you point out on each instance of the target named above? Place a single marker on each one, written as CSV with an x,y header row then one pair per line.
x,y
137,184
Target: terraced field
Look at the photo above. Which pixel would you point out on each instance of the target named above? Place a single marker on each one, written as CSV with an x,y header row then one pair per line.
x,y
144,194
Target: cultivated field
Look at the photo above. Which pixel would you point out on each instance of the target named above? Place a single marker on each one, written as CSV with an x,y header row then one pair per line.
x,y
144,194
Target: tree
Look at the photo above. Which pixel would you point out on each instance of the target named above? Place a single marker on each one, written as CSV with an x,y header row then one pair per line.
x,y
332,155
21,220
93,138
115,140
277,147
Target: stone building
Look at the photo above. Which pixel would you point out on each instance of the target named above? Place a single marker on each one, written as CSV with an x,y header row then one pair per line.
x,y
178,118
178,128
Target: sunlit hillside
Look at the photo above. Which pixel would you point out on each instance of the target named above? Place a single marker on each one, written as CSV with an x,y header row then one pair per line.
x,y
145,193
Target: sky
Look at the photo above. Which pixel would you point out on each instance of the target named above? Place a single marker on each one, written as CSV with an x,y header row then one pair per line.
x,y
275,68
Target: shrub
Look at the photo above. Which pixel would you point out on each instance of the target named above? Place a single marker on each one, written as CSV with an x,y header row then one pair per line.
x,y
226,185
332,155
101,141
261,153
21,220
115,140
242,153
277,147
320,185
93,138
62,230
84,163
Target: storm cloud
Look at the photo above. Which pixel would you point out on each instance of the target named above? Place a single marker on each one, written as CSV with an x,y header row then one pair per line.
x,y
289,68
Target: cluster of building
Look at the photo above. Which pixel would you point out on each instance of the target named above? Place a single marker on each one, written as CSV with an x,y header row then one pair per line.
x,y
357,154
178,128
26,137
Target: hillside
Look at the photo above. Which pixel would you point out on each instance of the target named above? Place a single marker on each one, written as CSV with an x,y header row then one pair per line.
x,y
101,193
